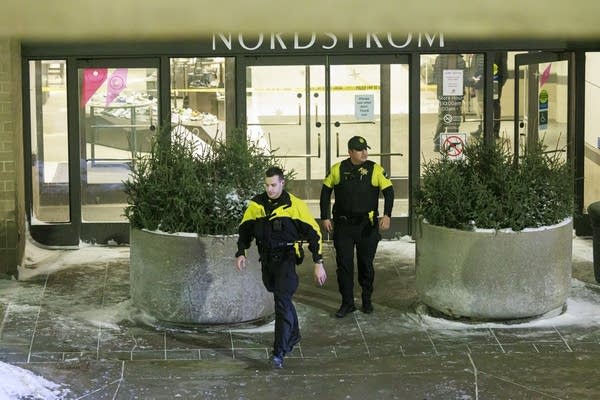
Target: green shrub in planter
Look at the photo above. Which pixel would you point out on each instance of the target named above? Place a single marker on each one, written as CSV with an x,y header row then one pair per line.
x,y
487,189
182,187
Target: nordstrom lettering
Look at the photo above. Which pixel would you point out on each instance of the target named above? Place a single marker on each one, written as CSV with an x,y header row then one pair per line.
x,y
277,41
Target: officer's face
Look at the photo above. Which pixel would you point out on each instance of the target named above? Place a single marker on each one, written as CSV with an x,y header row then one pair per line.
x,y
274,186
358,156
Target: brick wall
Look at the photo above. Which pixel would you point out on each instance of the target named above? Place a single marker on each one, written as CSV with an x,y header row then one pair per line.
x,y
12,203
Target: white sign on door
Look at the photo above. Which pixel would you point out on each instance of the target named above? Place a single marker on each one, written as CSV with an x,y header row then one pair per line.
x,y
453,82
363,106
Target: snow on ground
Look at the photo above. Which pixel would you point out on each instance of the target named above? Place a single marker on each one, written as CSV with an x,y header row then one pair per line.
x,y
19,383
38,260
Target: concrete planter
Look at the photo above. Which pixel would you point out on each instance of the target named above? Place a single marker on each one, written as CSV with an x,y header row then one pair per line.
x,y
494,274
183,280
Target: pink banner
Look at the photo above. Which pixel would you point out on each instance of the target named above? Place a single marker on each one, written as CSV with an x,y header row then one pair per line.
x,y
116,83
93,78
545,75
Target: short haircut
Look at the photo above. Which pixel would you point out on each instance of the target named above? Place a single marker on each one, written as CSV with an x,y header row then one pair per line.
x,y
274,171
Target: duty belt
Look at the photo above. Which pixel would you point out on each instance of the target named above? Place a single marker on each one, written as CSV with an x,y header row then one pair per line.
x,y
356,219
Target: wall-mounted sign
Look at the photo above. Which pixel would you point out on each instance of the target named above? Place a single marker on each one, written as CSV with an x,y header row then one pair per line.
x,y
269,42
453,144
543,110
363,107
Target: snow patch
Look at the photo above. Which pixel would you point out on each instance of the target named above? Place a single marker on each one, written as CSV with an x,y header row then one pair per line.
x,y
20,383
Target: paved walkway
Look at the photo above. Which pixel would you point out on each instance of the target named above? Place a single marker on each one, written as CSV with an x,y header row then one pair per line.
x,y
72,323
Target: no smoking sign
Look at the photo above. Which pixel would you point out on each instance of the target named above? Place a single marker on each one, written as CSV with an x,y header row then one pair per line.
x,y
453,144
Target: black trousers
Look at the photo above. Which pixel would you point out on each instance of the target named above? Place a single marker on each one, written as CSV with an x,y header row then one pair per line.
x,y
280,278
346,237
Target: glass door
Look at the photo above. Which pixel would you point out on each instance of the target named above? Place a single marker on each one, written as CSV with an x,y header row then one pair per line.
x,y
88,120
542,101
369,98
285,108
118,117
306,109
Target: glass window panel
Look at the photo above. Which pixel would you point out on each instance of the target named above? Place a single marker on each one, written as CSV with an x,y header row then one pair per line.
x,y
439,111
276,102
450,86
49,141
348,84
591,175
198,96
119,120
543,104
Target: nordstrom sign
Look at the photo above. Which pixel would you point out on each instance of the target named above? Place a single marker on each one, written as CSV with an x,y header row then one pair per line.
x,y
327,41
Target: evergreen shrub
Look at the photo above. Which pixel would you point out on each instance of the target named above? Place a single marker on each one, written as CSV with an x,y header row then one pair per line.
x,y
487,189
181,187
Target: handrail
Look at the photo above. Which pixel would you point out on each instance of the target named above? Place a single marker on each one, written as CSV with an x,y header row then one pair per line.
x,y
318,155
337,149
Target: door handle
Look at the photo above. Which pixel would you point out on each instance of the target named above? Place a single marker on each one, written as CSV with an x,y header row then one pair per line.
x,y
337,124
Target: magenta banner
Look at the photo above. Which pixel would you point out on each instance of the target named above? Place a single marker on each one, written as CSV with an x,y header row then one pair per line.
x,y
545,75
93,78
116,83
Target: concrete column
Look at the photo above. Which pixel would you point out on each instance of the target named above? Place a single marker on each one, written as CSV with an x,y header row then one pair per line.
x,y
12,197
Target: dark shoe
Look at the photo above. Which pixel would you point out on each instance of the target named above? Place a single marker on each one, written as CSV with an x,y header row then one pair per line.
x,y
277,361
345,309
367,307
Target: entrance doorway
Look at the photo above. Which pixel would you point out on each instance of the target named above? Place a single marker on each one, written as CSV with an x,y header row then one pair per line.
x,y
542,101
306,109
84,140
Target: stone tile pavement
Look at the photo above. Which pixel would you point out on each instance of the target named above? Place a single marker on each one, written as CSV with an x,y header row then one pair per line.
x,y
72,323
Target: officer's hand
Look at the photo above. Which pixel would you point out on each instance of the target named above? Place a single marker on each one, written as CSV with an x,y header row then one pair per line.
x,y
384,223
327,225
320,275
240,262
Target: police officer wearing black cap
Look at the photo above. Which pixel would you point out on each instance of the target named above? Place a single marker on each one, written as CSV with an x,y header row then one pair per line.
x,y
356,182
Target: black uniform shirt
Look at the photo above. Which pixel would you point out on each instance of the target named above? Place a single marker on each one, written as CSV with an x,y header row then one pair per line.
x,y
356,190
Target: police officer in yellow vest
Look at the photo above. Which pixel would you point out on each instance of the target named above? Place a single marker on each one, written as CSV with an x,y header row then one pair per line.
x,y
356,182
279,221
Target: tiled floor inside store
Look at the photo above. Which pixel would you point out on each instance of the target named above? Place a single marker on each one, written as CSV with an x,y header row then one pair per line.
x,y
71,324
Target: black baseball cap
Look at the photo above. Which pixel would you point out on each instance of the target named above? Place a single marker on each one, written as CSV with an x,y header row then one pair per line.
x,y
357,143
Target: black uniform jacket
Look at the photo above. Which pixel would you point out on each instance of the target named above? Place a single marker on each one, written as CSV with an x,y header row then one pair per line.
x,y
356,190
277,224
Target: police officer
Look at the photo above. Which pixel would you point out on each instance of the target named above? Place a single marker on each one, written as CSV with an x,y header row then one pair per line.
x,y
356,182
279,221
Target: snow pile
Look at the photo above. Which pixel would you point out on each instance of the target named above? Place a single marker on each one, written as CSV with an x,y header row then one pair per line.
x,y
20,383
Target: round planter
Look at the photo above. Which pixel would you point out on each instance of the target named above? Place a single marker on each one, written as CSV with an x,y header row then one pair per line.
x,y
186,280
494,274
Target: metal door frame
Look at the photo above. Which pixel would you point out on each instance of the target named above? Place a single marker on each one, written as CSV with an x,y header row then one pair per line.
x,y
70,234
529,59
399,224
